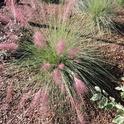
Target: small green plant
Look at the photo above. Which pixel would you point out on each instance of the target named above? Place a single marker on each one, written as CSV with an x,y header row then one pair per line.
x,y
99,12
105,102
120,2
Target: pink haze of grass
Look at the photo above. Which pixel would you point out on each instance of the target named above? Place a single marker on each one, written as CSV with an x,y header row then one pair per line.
x,y
38,40
39,103
77,106
46,66
9,92
60,47
72,53
61,66
23,99
4,19
79,86
68,9
57,78
20,14
8,46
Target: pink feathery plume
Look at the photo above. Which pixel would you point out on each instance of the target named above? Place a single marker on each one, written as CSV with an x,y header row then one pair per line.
x,y
61,66
20,16
39,40
12,5
1,83
9,94
46,66
8,46
57,78
44,101
77,106
60,47
33,4
68,9
72,53
4,19
79,86
80,116
9,2
24,99
35,101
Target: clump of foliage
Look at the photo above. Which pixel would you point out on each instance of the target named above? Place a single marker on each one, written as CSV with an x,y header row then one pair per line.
x,y
62,59
100,13
120,2
108,103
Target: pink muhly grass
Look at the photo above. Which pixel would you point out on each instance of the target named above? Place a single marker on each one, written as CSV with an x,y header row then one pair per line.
x,y
79,85
38,40
68,9
77,106
72,53
46,66
9,92
12,4
4,19
61,66
39,102
1,83
24,99
8,46
60,47
80,117
9,2
21,17
56,74
44,102
33,4
36,100
57,78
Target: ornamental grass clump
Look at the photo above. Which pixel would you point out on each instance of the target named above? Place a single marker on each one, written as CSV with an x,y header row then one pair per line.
x,y
99,13
120,2
69,69
67,64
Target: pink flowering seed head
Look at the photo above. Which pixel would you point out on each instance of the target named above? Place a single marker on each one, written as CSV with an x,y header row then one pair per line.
x,y
38,40
56,75
9,2
9,92
57,78
68,9
61,66
35,100
60,47
4,19
8,46
80,117
46,66
21,17
79,85
24,99
72,53
1,83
